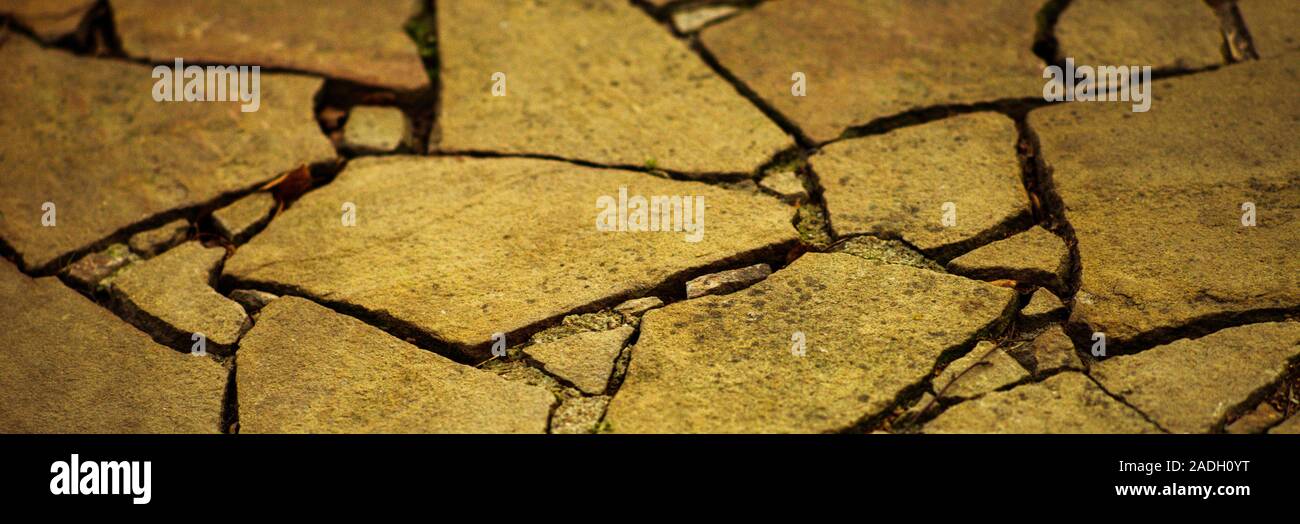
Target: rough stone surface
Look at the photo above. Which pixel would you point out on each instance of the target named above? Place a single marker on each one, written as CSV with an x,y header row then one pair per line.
x,y
1190,385
725,282
375,129
897,184
1065,403
89,271
727,363
171,293
252,300
1290,426
538,217
69,366
109,156
984,369
49,20
869,59
1050,351
1272,25
638,306
785,184
245,217
355,40
573,89
306,369
1257,420
1042,302
584,359
154,241
1158,33
886,252
1161,241
1034,257
579,415
691,20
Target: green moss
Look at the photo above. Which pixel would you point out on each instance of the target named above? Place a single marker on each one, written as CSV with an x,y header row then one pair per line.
x,y
423,29
886,252
810,222
574,324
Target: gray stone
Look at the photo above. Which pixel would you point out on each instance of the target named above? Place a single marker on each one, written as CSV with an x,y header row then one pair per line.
x,y
585,359
375,129
417,252
724,282
306,369
1064,403
1191,385
69,366
579,415
252,300
573,90
154,241
1035,257
89,271
1257,420
110,157
986,368
245,217
730,363
171,295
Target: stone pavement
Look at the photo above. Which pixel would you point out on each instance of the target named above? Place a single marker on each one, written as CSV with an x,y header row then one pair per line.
x,y
649,216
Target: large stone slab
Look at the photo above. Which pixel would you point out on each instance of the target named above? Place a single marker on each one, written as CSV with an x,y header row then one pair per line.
x,y
306,369
598,81
171,295
1156,33
87,136
728,363
1065,403
357,40
70,366
463,248
49,20
1156,198
900,184
869,59
1189,386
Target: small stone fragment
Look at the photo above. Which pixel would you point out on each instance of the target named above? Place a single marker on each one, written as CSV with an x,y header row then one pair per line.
x,y
49,20
1036,257
154,241
1272,25
886,252
90,270
688,20
375,129
785,184
252,300
1290,426
1042,302
306,369
579,415
638,306
725,282
171,295
585,359
1190,385
1065,403
1255,421
245,217
984,369
1162,34
1050,351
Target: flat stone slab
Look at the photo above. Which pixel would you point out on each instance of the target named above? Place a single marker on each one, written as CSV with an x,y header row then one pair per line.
x,y
97,146
70,366
902,183
986,368
1042,302
1050,351
584,359
1034,257
869,59
572,89
355,40
463,248
1162,241
246,216
171,294
306,369
1189,386
1163,34
49,20
1065,403
1272,25
728,364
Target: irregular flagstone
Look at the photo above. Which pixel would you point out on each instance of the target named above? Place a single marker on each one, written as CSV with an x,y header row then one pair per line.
x,y
464,248
572,89
984,369
728,364
93,269
690,20
636,307
375,129
69,366
1190,385
1161,240
242,219
901,183
154,241
869,59
172,294
1272,25
1157,33
49,20
1065,403
356,40
87,136
725,282
1050,351
1042,302
787,185
1034,257
585,359
1290,426
579,415
306,369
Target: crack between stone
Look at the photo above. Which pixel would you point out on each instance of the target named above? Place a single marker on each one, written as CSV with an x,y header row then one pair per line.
x,y
1122,400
